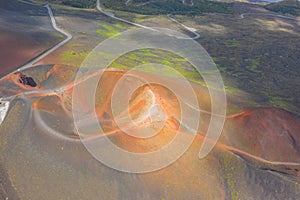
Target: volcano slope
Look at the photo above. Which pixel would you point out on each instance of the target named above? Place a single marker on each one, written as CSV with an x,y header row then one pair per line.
x,y
256,157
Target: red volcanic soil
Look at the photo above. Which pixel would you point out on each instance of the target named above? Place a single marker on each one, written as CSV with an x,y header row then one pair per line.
x,y
269,133
17,49
52,155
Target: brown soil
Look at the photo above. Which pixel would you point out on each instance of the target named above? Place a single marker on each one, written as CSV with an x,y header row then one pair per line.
x,y
17,49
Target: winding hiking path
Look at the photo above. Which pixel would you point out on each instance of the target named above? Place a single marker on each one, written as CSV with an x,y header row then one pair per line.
x,y
112,15
109,14
242,16
47,52
4,104
54,25
190,29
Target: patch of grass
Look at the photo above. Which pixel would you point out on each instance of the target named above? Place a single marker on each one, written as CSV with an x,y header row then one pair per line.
x,y
279,102
109,30
253,65
73,58
231,43
72,45
80,3
146,56
230,181
264,65
58,35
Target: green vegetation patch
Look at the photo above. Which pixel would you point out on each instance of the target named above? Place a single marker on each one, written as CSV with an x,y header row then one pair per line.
x,y
80,3
146,56
73,58
286,7
229,178
109,30
169,7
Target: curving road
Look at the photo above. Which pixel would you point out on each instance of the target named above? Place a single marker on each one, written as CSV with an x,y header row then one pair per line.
x,y
54,25
109,14
190,29
242,16
4,104
46,53
188,4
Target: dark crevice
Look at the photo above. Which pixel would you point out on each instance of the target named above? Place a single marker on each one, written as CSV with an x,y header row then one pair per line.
x,y
27,81
295,145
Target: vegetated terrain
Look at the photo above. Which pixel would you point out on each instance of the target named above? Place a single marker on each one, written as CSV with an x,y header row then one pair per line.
x,y
80,3
168,7
88,28
257,55
25,32
73,3
285,7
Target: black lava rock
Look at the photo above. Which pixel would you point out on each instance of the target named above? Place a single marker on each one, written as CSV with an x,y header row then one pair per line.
x,y
27,81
